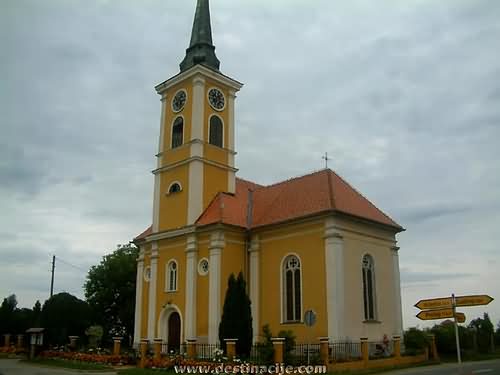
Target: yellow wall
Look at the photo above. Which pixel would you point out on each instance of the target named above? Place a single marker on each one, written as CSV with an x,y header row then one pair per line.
x,y
233,261
170,116
145,294
214,181
173,208
307,242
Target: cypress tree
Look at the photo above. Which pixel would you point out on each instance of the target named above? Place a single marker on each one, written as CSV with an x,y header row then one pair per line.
x,y
236,321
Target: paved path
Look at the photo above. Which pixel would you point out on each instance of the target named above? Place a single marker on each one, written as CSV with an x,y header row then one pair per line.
x,y
469,368
15,367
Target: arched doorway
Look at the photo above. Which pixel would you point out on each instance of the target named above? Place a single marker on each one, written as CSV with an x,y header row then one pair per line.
x,y
174,332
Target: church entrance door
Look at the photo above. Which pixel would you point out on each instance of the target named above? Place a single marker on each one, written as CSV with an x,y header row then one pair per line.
x,y
174,332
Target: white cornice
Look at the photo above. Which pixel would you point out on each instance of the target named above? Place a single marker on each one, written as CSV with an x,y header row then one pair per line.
x,y
194,158
202,71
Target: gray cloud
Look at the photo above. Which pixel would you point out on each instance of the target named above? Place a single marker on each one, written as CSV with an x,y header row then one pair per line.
x,y
403,96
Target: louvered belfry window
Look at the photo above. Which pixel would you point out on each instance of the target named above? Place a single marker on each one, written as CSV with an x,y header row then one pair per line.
x,y
216,131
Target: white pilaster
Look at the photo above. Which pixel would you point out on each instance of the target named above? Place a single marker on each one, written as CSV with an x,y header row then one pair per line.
x,y
231,183
198,122
190,313
159,164
214,286
398,313
195,192
138,297
254,251
335,294
152,292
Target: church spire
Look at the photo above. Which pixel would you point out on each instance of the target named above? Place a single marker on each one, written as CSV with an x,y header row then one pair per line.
x,y
201,50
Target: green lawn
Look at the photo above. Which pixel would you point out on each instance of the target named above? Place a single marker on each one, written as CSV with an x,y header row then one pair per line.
x,y
138,371
75,365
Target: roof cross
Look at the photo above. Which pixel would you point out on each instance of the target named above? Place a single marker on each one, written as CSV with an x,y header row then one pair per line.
x,y
326,158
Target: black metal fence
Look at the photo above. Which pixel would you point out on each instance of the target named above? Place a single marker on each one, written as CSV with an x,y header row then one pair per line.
x,y
304,353
344,351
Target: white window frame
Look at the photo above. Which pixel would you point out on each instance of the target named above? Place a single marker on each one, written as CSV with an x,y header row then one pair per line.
x,y
168,274
366,313
283,289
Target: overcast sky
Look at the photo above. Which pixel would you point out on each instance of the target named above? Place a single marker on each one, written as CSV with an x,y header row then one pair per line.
x,y
403,95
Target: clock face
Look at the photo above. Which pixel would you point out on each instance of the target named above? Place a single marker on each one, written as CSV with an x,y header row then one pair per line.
x,y
179,101
216,99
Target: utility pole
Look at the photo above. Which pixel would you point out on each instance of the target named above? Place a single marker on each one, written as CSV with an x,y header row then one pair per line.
x,y
52,278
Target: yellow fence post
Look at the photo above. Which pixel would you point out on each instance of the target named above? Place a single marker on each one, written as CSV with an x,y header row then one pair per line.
x,y
323,349
278,346
191,348
434,352
157,348
117,341
397,346
230,348
6,340
364,350
143,350
20,341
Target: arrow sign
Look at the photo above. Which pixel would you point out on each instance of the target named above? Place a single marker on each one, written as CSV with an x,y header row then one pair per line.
x,y
435,314
440,314
434,303
473,300
444,303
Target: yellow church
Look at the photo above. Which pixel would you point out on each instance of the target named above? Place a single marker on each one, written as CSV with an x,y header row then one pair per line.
x,y
307,243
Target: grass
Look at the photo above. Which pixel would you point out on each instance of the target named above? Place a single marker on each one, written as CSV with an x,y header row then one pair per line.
x,y
139,371
74,365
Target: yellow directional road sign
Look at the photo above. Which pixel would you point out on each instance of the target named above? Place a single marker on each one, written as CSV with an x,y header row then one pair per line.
x,y
443,303
440,314
434,303
473,300
435,314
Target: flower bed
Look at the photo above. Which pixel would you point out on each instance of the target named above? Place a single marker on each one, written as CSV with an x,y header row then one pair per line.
x,y
105,359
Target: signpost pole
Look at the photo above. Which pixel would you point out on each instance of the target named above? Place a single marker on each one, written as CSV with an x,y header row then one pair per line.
x,y
454,306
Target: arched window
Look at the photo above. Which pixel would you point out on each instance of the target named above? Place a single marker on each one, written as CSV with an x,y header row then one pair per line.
x,y
174,188
172,276
216,131
177,132
292,304
369,287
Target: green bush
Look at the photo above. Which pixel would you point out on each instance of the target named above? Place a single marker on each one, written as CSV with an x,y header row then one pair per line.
x,y
415,340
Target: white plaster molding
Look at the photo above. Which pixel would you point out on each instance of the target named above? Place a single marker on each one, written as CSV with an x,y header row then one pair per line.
x,y
398,313
138,297
335,292
162,325
217,243
195,191
190,311
230,125
198,108
254,250
191,159
152,291
201,71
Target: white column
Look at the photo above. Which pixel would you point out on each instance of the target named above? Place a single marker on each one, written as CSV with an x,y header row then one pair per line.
x,y
231,175
138,297
157,176
335,293
198,120
190,312
214,286
152,292
195,191
398,313
254,284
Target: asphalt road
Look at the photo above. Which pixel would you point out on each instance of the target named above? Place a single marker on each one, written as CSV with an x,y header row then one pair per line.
x,y
469,368
14,367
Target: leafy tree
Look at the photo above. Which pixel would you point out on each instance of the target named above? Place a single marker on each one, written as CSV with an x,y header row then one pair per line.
x,y
7,314
483,328
236,321
37,313
110,290
265,346
64,315
415,340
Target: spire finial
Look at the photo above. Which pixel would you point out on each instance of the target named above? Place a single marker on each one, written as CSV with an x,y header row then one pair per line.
x,y
201,50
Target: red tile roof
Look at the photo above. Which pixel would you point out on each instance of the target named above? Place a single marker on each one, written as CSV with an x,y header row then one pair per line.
x,y
315,193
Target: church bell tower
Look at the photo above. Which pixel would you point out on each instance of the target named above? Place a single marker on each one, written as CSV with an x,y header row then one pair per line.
x,y
196,153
